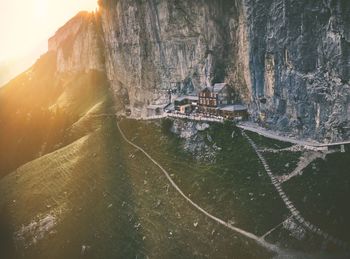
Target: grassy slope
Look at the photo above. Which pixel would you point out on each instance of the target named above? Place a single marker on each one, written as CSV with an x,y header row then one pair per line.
x,y
111,198
75,168
75,184
40,113
106,196
235,187
38,108
323,192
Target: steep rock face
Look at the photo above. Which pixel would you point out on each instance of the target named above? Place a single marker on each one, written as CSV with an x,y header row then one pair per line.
x,y
287,59
300,62
79,45
152,46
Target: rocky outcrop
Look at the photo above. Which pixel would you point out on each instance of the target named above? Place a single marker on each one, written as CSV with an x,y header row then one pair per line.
x,y
287,59
79,45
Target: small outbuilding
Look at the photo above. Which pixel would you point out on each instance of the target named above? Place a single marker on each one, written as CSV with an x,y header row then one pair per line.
x,y
235,111
186,104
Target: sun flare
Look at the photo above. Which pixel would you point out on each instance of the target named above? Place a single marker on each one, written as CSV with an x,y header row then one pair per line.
x,y
34,23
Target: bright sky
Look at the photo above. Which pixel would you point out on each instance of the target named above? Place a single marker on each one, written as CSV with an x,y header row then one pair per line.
x,y
26,25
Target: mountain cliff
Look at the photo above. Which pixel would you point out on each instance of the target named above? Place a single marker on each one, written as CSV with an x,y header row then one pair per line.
x,y
300,62
152,46
287,60
60,150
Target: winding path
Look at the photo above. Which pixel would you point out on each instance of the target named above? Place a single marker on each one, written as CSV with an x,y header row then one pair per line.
x,y
249,235
296,214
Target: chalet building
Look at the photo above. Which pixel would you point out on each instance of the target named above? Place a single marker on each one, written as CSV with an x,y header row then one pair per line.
x,y
224,93
212,97
219,100
186,104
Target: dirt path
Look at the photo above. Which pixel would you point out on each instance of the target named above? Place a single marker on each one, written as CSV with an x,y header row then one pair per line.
x,y
249,235
314,145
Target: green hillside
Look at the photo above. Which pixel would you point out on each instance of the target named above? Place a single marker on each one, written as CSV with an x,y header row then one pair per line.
x,y
38,109
70,187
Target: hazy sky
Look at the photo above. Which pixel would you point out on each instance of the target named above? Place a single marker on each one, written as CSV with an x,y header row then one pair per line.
x,y
26,25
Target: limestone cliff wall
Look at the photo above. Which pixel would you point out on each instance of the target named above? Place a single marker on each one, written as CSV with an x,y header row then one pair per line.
x,y
300,61
287,59
153,45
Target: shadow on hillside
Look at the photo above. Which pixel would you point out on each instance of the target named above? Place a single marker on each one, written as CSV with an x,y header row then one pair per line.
x,y
7,246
